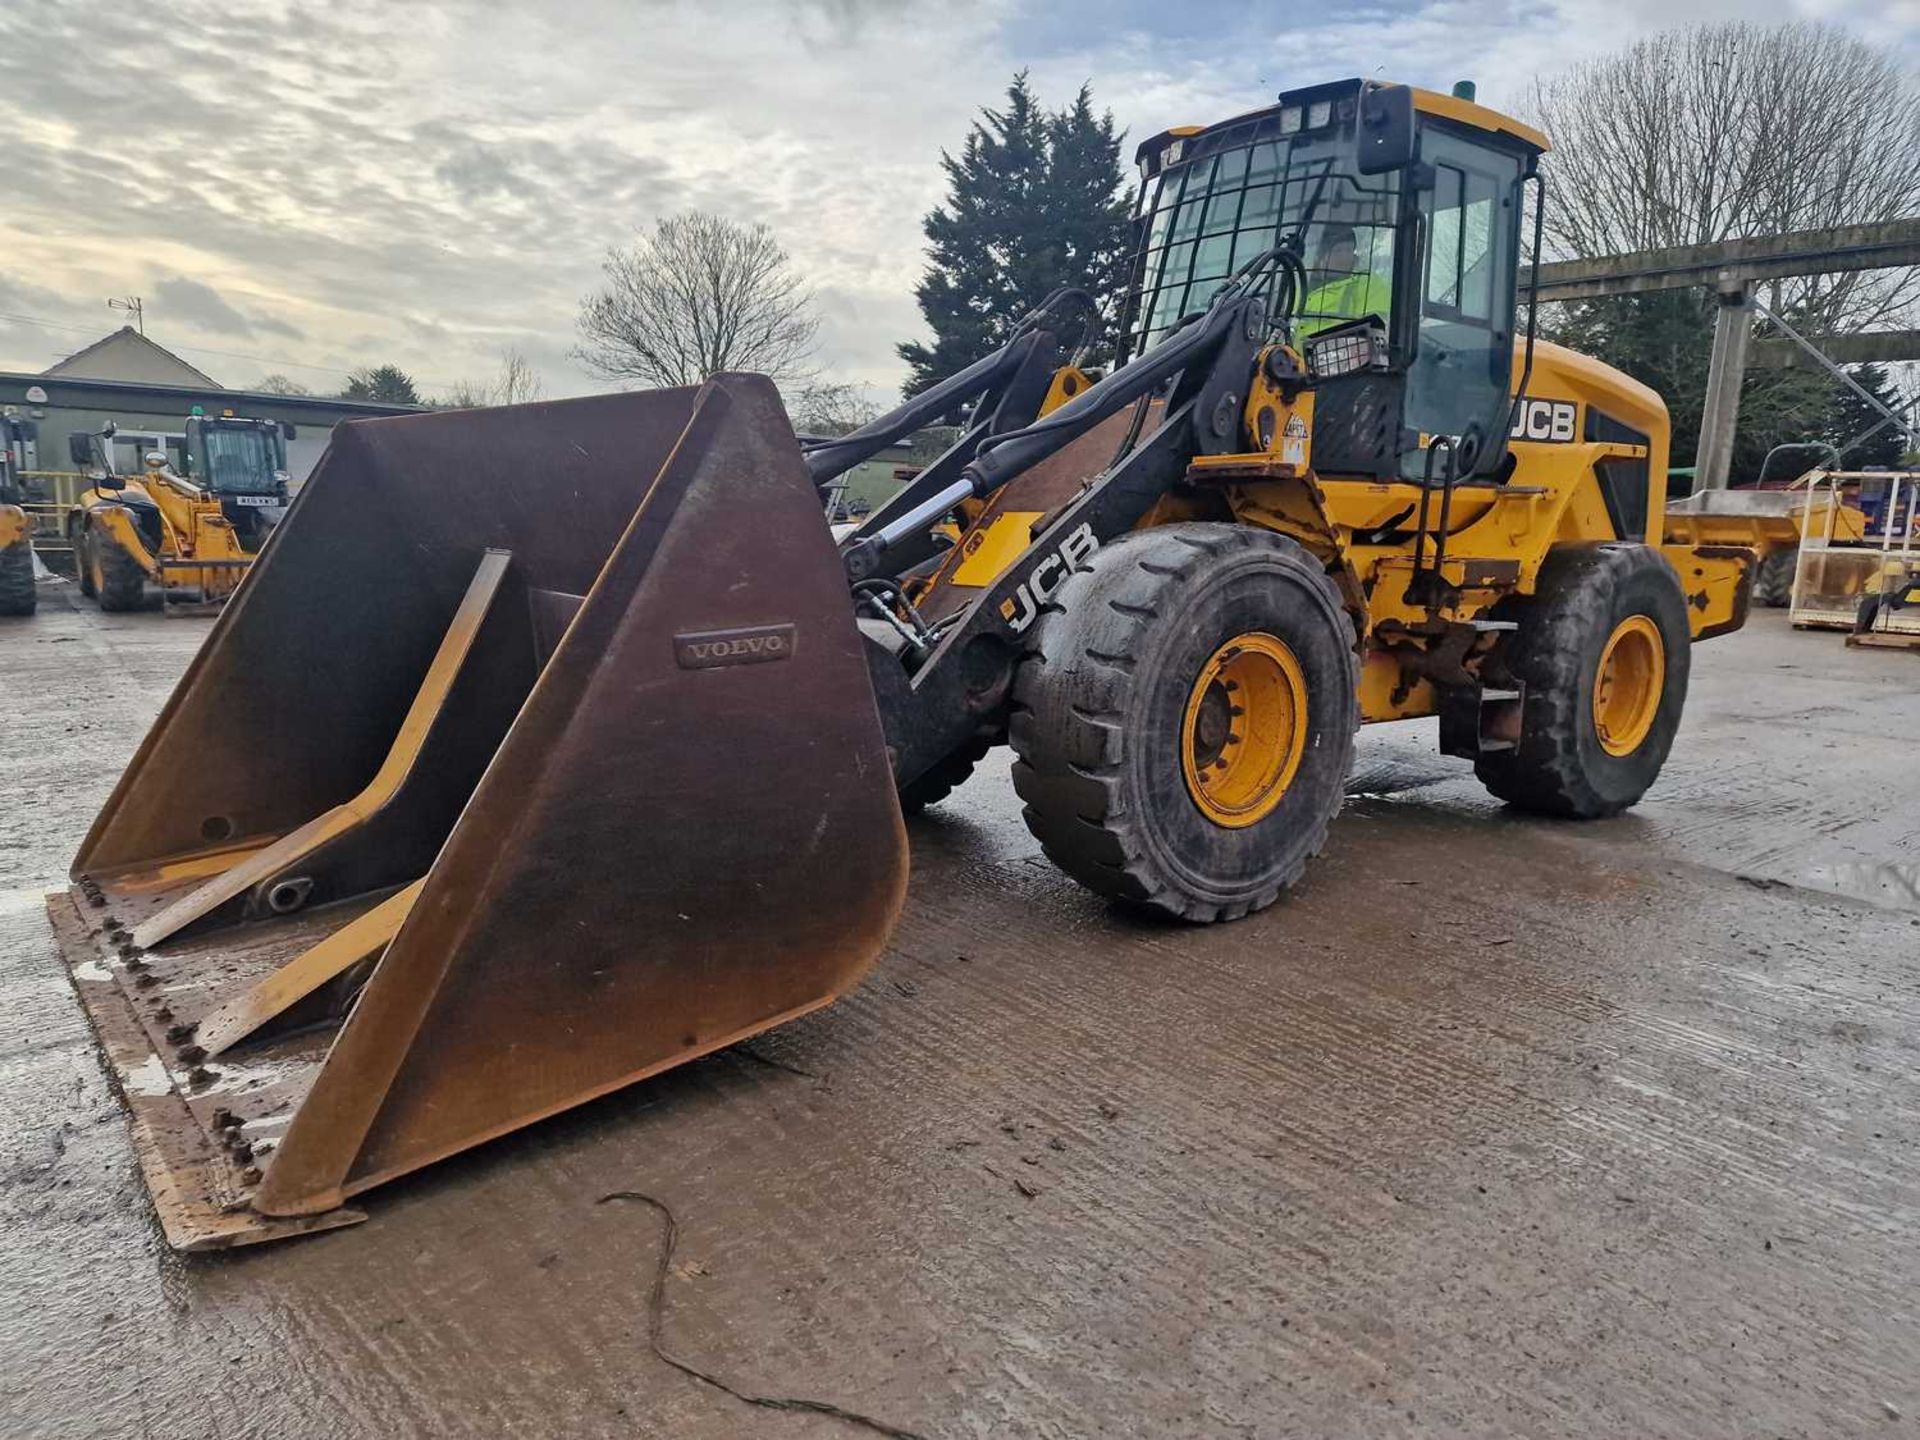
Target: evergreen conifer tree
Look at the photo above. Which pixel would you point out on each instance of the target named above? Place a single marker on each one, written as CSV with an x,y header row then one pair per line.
x,y
1034,202
1850,417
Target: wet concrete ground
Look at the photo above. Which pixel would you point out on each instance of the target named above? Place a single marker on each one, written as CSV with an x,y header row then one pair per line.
x,y
1498,1127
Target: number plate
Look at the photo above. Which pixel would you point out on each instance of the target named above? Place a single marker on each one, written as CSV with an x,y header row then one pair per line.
x,y
266,502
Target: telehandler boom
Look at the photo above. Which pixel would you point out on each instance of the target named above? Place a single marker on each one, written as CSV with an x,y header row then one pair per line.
x,y
526,811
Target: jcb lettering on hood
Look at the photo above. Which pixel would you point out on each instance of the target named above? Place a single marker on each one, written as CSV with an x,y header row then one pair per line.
x,y
1547,420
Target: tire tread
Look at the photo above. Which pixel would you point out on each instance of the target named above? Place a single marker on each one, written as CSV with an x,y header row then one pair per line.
x,y
16,579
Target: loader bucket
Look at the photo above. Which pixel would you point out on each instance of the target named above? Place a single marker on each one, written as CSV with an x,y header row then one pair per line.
x,y
539,746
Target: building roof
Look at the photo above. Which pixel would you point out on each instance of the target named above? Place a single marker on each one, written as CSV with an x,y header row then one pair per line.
x,y
128,355
162,399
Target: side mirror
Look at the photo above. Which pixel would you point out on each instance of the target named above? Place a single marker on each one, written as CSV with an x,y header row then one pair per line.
x,y
287,432
78,451
1385,134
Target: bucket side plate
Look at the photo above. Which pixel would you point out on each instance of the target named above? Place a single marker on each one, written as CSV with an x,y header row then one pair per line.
x,y
689,835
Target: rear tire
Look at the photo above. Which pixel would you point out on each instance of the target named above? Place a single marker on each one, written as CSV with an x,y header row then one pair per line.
x,y
1773,578
1568,761
16,579
122,583
83,560
1150,774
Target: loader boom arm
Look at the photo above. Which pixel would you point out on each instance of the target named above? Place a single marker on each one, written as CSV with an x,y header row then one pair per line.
x,y
1055,327
1196,347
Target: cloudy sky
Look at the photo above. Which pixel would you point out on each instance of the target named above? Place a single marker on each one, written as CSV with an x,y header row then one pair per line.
x,y
306,188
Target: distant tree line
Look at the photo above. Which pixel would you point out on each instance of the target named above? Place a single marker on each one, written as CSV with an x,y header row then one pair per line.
x,y
1715,133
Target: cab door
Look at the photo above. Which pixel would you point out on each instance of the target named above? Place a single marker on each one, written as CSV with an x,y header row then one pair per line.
x,y
1470,222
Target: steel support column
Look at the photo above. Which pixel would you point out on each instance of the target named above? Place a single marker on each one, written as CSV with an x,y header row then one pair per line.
x,y
1731,328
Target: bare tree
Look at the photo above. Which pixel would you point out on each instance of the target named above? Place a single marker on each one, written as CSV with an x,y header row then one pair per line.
x,y
1725,131
699,295
464,395
517,382
830,408
1717,133
280,385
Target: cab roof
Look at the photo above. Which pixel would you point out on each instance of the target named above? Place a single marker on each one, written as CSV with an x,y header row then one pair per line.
x,y
1426,102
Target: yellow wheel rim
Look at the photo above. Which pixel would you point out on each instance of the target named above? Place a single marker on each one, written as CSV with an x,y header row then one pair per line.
x,y
1628,687
1244,730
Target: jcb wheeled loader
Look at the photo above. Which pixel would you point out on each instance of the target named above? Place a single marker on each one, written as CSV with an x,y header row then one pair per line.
x,y
509,813
155,532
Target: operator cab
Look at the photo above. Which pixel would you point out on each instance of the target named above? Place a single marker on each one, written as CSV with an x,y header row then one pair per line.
x,y
1402,211
243,464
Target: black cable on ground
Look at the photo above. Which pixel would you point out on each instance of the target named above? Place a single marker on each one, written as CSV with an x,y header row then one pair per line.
x,y
657,1321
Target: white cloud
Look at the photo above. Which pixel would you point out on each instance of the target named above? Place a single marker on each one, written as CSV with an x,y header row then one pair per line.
x,y
423,184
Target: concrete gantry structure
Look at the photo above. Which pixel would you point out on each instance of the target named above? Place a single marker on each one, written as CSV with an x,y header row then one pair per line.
x,y
1866,348
1731,268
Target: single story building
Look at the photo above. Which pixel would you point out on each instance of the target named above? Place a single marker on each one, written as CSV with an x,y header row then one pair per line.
x,y
147,392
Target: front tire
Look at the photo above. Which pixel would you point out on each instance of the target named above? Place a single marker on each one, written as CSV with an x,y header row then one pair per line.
x,y
1602,656
1184,726
121,581
16,579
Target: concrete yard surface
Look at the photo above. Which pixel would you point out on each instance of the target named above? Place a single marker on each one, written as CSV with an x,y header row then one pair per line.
x,y
1496,1127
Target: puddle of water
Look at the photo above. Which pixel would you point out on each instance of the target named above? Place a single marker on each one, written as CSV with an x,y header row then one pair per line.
x,y
1894,887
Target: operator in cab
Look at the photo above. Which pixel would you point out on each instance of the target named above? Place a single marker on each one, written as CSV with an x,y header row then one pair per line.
x,y
1347,288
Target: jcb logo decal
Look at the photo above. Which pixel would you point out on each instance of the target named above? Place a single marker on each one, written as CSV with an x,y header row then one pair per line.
x,y
1548,420
1022,608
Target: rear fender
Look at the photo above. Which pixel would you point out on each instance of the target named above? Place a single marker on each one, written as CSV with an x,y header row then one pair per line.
x,y
1717,581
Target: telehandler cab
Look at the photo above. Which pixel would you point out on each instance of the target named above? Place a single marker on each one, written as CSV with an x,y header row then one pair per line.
x,y
526,811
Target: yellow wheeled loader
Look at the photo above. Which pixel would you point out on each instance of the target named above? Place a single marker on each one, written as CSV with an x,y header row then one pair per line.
x,y
517,812
17,595
16,557
157,533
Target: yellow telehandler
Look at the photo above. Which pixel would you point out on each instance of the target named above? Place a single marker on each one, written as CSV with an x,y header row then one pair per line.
x,y
508,812
158,532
